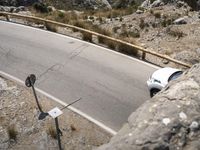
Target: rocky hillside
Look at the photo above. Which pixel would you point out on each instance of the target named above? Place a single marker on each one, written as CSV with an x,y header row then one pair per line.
x,y
169,121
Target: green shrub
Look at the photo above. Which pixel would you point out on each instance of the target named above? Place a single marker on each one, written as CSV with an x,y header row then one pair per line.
x,y
40,7
61,14
12,132
87,36
134,34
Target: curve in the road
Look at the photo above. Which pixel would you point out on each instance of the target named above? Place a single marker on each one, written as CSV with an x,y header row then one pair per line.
x,y
110,84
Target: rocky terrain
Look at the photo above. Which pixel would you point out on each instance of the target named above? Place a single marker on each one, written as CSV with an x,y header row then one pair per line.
x,y
168,121
20,128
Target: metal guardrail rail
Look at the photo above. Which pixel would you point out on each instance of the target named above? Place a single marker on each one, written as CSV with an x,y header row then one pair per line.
x,y
144,51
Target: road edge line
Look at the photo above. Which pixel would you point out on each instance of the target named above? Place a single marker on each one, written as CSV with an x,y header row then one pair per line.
x,y
101,125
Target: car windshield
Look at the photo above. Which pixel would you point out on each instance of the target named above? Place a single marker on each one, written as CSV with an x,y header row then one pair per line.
x,y
175,75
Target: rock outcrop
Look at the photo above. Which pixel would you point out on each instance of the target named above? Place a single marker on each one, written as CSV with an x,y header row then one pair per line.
x,y
169,121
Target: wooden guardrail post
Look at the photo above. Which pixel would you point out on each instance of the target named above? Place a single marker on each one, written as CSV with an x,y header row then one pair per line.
x,y
7,17
143,55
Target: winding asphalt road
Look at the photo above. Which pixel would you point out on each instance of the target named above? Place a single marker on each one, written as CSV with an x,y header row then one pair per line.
x,y
111,85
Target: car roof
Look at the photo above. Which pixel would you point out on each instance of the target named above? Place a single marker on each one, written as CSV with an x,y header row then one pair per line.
x,y
163,74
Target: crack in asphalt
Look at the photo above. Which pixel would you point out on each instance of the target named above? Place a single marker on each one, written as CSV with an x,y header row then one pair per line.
x,y
54,67
5,52
58,66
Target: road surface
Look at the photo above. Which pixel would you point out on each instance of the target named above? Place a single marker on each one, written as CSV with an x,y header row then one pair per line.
x,y
111,85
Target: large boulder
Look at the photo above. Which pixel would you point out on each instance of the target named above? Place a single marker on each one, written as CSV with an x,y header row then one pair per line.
x,y
168,121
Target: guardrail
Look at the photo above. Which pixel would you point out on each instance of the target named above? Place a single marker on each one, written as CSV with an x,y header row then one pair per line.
x,y
144,51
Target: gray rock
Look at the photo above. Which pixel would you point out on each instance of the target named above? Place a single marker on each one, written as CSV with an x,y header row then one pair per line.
x,y
4,139
180,21
157,3
145,4
194,126
180,4
188,57
139,11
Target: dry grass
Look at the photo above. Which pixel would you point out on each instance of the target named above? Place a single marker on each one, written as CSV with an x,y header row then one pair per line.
x,y
175,33
52,132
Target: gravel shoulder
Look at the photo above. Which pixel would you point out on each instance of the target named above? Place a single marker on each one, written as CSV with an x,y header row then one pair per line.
x,y
21,129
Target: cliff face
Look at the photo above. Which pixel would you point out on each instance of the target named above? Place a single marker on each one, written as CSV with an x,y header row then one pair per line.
x,y
169,121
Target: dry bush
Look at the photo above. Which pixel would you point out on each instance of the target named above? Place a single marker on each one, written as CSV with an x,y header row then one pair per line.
x,y
126,49
12,132
52,132
134,34
142,23
73,128
157,15
87,36
111,44
51,27
175,33
104,32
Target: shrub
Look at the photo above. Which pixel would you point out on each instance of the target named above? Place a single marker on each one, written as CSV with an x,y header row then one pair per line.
x,y
175,33
41,7
135,34
104,32
61,14
111,44
151,12
126,49
12,133
120,19
52,132
73,128
87,36
157,15
51,27
142,24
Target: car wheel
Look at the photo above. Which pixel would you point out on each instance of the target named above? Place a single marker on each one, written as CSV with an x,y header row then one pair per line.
x,y
154,92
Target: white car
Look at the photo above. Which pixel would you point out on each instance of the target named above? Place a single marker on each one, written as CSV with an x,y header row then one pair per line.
x,y
160,78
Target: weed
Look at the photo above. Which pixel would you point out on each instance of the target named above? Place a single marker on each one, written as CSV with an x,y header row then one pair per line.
x,y
52,132
12,132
